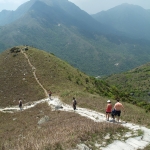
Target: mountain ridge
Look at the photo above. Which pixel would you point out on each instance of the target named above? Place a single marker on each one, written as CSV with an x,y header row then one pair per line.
x,y
133,20
89,47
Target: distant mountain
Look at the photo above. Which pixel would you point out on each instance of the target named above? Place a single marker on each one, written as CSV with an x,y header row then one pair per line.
x,y
60,27
7,17
61,9
131,20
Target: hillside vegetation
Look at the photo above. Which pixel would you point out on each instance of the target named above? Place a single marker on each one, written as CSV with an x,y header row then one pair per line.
x,y
135,84
17,80
20,130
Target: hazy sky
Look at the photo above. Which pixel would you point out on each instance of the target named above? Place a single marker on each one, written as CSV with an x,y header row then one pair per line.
x,y
90,6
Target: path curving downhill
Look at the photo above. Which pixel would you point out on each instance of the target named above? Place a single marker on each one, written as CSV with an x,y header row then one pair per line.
x,y
34,72
131,143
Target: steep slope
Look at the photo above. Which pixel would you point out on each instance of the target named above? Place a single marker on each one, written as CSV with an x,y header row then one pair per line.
x,y
35,127
18,77
15,77
132,20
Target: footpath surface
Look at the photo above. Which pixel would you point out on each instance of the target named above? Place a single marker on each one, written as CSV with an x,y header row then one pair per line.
x,y
132,143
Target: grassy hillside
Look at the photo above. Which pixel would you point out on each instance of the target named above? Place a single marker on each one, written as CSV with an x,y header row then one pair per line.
x,y
64,130
135,83
17,79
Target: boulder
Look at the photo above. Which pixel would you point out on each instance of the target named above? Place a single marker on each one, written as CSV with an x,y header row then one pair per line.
x,y
43,120
58,107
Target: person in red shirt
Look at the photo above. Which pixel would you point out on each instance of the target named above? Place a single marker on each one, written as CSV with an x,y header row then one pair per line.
x,y
108,109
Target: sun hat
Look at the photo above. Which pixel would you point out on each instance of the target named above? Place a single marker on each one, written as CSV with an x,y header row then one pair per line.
x,y
108,101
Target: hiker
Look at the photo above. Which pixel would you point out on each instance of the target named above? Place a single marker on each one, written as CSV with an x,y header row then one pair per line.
x,y
74,103
108,109
50,94
20,104
118,107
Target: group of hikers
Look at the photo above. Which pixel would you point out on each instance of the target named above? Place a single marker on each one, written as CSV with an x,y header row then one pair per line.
x,y
114,111
110,110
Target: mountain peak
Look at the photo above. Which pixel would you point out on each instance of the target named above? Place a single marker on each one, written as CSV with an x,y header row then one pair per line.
x,y
127,6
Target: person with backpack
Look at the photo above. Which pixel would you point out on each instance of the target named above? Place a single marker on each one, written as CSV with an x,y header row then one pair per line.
x,y
108,109
74,103
20,104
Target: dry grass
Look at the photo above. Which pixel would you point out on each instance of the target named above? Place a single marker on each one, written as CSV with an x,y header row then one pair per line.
x,y
147,148
20,131
132,113
17,80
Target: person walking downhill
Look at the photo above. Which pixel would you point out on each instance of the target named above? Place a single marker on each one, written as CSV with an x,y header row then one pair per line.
x,y
20,104
108,109
118,108
74,103
50,94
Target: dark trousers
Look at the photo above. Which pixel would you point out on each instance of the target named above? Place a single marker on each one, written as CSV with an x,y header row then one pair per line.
x,y
74,107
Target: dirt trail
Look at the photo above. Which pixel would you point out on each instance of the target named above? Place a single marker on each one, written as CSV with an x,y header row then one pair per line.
x,y
34,72
131,143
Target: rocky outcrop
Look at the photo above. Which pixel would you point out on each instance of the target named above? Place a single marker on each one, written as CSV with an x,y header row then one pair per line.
x,y
43,120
